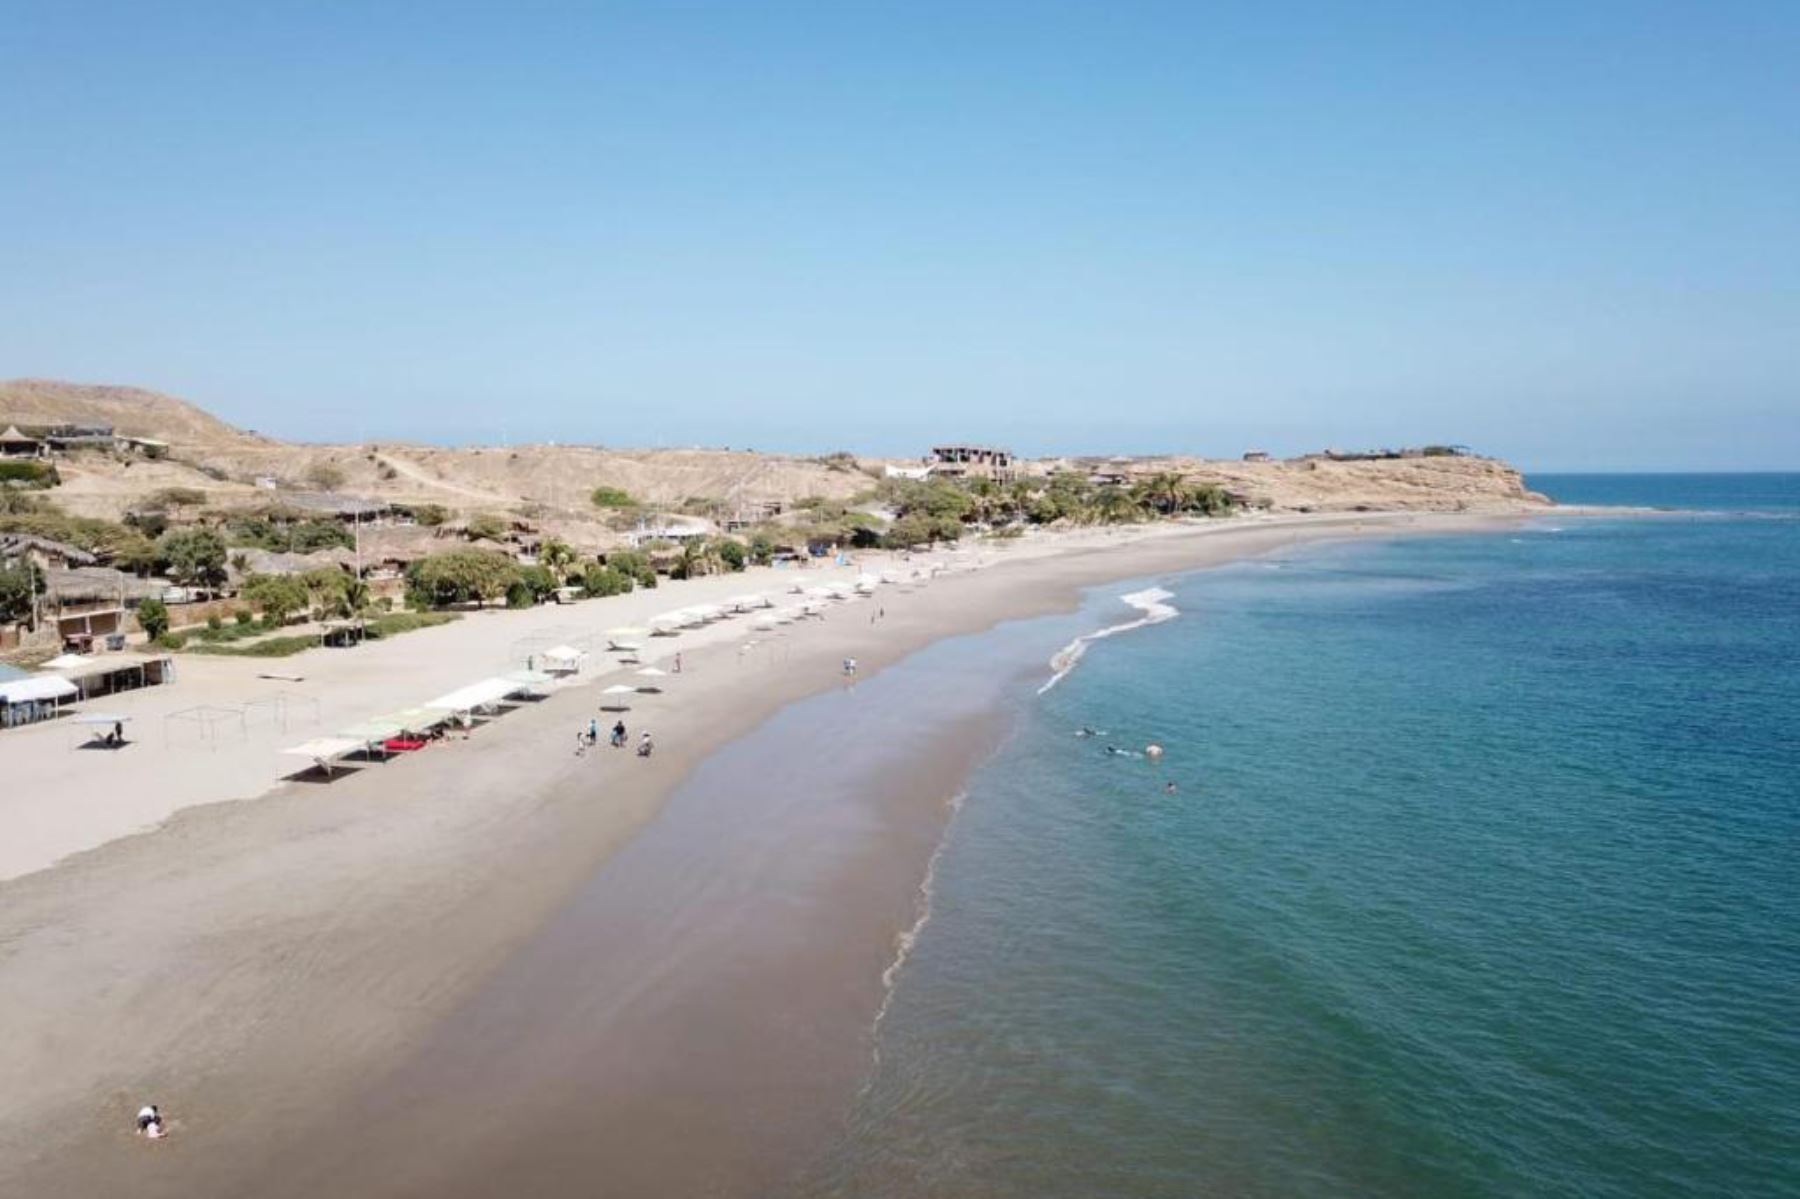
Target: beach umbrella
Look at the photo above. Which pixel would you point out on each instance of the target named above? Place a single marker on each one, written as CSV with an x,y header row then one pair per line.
x,y
615,701
651,672
629,632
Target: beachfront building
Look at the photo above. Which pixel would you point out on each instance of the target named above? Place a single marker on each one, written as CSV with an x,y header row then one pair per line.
x,y
87,605
14,444
64,438
973,462
41,552
1256,455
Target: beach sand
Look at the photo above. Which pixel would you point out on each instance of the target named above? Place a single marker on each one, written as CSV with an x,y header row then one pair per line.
x,y
496,966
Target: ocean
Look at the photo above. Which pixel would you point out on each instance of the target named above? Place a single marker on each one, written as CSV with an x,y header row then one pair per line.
x,y
1472,868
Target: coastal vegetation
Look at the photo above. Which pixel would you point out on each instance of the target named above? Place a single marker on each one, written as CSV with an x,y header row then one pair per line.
x,y
458,577
28,474
612,497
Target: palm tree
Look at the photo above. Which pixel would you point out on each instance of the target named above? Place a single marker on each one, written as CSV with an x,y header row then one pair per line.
x,y
1165,491
1115,505
558,556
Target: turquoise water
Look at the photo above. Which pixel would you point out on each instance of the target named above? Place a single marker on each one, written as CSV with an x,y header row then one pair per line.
x,y
1482,878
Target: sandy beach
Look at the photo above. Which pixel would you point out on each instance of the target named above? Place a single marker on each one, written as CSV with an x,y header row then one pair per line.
x,y
318,980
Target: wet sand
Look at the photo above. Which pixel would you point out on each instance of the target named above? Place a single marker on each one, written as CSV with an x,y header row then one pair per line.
x,y
500,968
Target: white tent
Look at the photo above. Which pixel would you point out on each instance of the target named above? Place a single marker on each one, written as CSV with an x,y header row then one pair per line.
x,y
35,688
475,695
563,659
323,749
747,603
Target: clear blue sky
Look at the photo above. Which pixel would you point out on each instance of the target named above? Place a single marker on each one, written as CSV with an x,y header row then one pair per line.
x,y
1565,233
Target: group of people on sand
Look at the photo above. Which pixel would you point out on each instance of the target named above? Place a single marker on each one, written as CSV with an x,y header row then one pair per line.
x,y
590,737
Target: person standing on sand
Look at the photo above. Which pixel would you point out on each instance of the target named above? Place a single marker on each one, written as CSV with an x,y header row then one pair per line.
x,y
678,662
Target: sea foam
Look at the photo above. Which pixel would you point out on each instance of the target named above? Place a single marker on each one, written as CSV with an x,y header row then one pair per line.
x,y
1153,603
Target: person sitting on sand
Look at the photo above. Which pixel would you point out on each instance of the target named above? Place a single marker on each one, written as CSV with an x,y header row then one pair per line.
x,y
150,1122
645,745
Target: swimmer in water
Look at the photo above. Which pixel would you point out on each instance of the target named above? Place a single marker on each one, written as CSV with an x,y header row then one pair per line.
x,y
1170,787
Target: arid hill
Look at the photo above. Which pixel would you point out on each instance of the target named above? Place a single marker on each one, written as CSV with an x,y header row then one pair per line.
x,y
553,483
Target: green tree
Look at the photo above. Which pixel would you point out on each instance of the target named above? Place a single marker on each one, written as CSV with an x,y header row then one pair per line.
x,y
1115,506
153,617
558,555
430,515
912,529
605,580
194,557
635,563
459,576
276,596
762,548
732,554
540,581
20,585
1165,492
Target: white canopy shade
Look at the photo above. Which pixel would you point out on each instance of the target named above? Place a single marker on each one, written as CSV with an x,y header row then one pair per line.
x,y
370,731
765,622
324,748
628,631
745,603
625,647
101,718
564,653
475,695
620,689
68,662
35,688
414,720
530,678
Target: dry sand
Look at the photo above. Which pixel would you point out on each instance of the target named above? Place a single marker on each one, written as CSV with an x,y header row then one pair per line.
x,y
267,970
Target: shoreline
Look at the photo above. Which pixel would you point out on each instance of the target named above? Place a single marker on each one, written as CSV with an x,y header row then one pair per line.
x,y
377,905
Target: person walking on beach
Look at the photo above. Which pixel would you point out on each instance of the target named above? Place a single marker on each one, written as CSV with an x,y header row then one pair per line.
x,y
593,731
678,662
618,735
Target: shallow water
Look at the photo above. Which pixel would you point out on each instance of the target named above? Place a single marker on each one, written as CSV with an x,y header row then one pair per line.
x,y
1480,878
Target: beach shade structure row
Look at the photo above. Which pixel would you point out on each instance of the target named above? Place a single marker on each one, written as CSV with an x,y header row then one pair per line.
x,y
484,694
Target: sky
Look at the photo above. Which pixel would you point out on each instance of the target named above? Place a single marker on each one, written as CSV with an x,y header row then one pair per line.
x,y
1566,234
